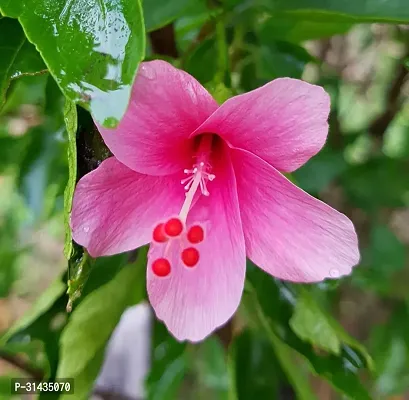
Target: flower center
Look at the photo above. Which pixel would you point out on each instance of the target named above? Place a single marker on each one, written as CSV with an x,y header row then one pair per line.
x,y
174,230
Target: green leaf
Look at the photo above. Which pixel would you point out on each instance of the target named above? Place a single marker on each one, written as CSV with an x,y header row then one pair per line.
x,y
274,302
44,322
321,170
80,266
46,300
390,344
281,59
395,11
18,56
380,182
311,324
381,260
70,118
169,365
298,30
285,356
202,62
93,321
211,367
85,380
162,12
92,48
258,374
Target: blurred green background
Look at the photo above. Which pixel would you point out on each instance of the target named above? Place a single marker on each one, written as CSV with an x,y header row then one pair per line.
x,y
333,340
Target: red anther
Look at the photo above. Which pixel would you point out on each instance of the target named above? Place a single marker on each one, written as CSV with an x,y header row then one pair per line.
x,y
159,234
190,256
161,267
195,234
174,227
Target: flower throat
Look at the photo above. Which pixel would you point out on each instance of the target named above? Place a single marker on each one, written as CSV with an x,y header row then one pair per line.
x,y
175,230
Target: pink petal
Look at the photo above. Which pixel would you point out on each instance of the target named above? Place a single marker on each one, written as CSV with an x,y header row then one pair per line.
x,y
288,233
166,106
115,208
283,122
193,302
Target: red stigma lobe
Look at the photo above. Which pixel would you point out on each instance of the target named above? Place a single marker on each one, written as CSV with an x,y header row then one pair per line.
x,y
174,227
159,234
161,267
190,256
195,234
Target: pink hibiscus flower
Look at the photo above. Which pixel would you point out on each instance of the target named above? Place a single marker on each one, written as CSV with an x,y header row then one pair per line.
x,y
201,182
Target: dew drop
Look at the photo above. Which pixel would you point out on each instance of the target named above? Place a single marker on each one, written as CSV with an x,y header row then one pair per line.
x,y
334,273
148,72
86,229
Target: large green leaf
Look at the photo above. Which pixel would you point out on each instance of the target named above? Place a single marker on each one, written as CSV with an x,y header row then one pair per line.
x,y
94,320
92,48
273,302
396,11
315,325
18,56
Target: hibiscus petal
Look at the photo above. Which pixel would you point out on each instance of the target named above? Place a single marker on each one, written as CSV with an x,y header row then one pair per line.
x,y
115,208
284,122
194,301
166,106
290,234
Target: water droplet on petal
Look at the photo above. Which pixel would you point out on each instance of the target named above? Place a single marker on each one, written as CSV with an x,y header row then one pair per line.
x,y
334,273
148,72
86,229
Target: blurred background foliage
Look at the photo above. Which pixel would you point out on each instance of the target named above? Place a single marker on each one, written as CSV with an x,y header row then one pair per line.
x,y
332,340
